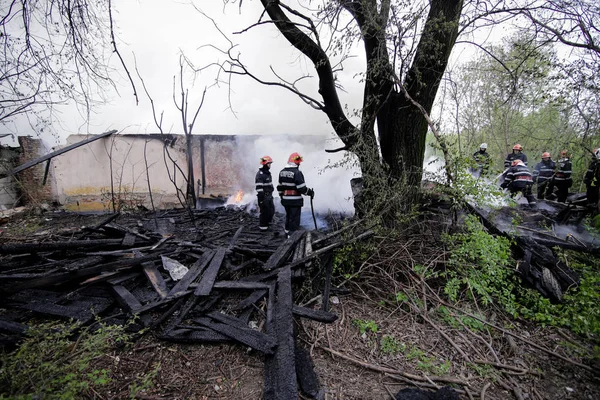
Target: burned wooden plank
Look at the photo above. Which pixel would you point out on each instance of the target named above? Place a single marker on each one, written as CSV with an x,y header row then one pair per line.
x,y
155,279
48,156
249,337
208,278
126,300
250,300
307,377
75,276
245,264
240,285
20,248
84,263
254,252
195,334
12,327
128,240
280,369
283,251
196,269
327,288
315,315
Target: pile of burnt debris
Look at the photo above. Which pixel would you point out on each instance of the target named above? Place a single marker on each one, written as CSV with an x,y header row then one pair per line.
x,y
187,276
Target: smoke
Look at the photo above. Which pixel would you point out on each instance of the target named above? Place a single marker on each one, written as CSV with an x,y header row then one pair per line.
x,y
328,174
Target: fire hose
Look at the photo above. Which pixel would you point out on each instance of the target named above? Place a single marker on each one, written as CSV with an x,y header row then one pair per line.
x,y
312,209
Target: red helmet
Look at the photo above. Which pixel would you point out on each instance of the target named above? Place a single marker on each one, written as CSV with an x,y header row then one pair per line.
x,y
295,158
518,147
545,155
264,160
517,162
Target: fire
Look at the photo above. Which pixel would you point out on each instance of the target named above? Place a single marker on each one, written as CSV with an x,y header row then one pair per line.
x,y
239,196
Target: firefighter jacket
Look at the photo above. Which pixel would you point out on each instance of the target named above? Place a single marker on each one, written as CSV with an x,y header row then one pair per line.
x,y
563,171
291,186
514,156
482,159
264,184
518,177
592,175
543,171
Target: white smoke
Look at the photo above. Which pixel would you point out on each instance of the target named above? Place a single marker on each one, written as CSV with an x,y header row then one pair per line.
x,y
323,172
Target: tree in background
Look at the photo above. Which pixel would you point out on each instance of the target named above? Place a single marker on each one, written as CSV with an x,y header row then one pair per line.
x,y
53,53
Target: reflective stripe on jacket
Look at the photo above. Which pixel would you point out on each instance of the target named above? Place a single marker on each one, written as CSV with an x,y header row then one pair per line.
x,y
563,170
519,176
291,186
543,171
514,156
264,183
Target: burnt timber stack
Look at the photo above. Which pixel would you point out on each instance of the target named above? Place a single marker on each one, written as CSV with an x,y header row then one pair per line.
x,y
234,277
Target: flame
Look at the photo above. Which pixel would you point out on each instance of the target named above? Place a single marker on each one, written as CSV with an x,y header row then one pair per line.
x,y
239,196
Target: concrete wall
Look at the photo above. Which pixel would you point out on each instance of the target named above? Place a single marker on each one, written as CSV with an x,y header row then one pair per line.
x,y
82,176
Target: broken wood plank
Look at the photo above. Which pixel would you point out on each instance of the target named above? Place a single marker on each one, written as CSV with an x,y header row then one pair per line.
x,y
240,285
307,377
252,299
126,300
283,251
195,335
327,288
280,369
315,315
48,156
155,279
208,278
196,269
247,336
12,327
21,248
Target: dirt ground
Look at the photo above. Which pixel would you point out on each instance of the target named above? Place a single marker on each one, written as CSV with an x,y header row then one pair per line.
x,y
400,346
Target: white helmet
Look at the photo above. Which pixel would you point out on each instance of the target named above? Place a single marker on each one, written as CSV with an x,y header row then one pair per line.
x,y
597,153
483,146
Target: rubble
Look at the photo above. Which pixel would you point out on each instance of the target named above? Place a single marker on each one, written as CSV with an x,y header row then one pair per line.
x,y
234,280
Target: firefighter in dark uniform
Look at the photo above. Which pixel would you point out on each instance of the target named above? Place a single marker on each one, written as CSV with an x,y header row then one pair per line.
x,y
264,192
542,173
519,179
562,179
291,188
482,160
517,154
592,179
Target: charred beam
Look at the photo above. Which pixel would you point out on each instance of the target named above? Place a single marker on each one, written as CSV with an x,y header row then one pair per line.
x,y
315,315
208,279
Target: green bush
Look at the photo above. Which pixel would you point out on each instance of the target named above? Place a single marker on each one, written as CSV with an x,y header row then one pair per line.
x,y
50,365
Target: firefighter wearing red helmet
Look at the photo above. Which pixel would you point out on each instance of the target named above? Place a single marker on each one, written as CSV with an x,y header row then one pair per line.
x,y
562,180
517,154
291,188
592,179
519,179
542,173
264,192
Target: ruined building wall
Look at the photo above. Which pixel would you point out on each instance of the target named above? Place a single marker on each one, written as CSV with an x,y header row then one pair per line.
x,y
29,185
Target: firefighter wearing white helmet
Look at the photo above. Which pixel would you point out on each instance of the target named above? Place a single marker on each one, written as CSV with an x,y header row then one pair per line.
x,y
592,179
482,160
519,179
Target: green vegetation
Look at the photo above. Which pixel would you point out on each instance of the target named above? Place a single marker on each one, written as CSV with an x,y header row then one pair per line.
x,y
480,270
390,345
364,326
52,364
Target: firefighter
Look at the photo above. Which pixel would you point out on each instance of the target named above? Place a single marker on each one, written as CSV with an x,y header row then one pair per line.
x,y
291,188
592,179
482,160
519,179
562,179
264,192
542,173
517,154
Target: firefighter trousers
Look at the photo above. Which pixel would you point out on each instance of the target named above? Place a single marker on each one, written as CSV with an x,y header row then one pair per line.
x,y
267,210
292,218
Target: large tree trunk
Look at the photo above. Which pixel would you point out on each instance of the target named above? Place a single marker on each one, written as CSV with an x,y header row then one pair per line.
x,y
402,127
